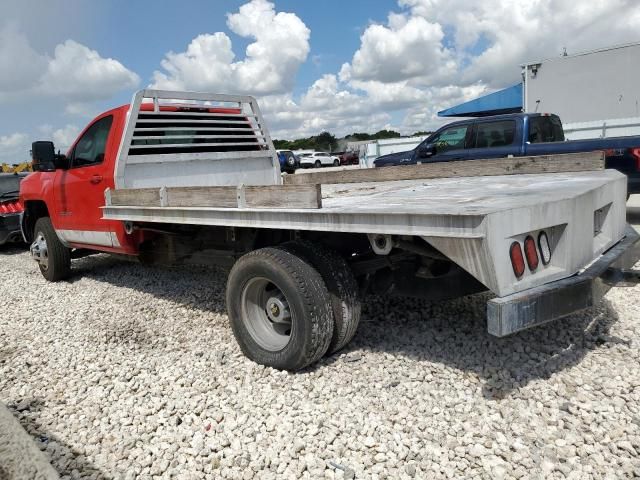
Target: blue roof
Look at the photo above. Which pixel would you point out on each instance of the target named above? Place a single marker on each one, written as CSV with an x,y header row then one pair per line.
x,y
508,100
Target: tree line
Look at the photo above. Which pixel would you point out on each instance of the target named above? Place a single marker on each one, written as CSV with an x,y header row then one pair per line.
x,y
326,142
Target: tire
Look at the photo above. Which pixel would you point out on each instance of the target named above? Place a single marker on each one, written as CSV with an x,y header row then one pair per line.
x,y
297,291
342,287
318,164
57,264
336,163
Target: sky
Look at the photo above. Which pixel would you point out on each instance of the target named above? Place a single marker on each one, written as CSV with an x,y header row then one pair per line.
x,y
332,65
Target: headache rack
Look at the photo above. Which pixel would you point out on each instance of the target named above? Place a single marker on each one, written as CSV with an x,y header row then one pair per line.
x,y
174,139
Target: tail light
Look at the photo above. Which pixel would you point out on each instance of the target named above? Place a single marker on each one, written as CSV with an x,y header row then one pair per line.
x,y
531,253
13,206
635,153
545,250
517,260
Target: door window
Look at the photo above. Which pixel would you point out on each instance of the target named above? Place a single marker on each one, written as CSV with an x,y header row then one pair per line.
x,y
91,147
450,138
495,134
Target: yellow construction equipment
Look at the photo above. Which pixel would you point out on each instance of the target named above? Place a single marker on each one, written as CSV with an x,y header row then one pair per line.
x,y
17,168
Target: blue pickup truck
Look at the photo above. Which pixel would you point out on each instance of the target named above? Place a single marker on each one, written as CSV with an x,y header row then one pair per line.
x,y
517,134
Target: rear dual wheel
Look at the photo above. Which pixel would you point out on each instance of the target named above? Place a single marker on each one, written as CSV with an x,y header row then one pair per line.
x,y
279,309
341,285
282,306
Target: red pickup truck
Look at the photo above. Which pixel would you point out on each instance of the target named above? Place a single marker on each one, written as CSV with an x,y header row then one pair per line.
x,y
196,183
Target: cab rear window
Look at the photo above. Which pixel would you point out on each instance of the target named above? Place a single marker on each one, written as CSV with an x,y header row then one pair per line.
x,y
545,128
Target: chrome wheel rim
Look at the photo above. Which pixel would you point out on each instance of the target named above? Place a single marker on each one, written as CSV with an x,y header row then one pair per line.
x,y
266,314
39,251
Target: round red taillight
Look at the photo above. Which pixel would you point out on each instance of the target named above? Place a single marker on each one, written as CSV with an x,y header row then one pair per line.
x,y
531,253
517,260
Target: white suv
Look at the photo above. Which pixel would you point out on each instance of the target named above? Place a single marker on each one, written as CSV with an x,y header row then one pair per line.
x,y
318,159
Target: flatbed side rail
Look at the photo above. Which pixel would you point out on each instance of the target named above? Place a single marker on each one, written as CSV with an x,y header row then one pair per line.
x,y
568,162
242,196
174,139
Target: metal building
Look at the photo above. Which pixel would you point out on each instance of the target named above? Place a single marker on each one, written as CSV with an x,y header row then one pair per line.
x,y
595,93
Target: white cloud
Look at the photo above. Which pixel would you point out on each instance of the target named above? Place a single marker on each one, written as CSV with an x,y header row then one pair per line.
x,y
407,48
270,65
81,74
14,148
511,32
75,73
327,105
21,65
64,137
12,141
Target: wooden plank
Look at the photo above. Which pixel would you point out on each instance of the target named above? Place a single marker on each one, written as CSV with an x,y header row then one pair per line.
x,y
571,162
143,197
222,197
254,196
284,196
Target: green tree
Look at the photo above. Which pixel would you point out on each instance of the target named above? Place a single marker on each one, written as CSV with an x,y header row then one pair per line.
x,y
386,134
421,133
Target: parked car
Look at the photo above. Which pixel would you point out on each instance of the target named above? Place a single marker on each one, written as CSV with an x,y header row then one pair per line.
x,y
318,159
517,135
288,161
348,158
10,207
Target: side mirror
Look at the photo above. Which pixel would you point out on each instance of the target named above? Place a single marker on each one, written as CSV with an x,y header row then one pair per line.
x,y
427,151
43,155
61,162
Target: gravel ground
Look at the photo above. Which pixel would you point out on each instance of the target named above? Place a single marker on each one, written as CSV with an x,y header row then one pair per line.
x,y
132,372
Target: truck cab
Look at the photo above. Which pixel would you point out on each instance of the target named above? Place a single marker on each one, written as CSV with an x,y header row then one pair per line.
x,y
69,189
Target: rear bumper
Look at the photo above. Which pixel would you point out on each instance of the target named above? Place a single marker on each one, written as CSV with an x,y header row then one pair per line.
x,y
10,228
538,305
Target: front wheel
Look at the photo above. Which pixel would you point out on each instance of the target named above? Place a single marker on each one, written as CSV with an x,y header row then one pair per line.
x,y
336,163
279,309
318,164
54,259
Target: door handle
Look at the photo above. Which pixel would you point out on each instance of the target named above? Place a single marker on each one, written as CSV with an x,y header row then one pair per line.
x,y
96,179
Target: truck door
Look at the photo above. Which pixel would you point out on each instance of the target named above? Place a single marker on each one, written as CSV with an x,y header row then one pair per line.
x,y
79,193
450,143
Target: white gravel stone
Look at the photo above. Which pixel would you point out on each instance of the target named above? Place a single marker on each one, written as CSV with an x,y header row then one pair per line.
x,y
129,371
